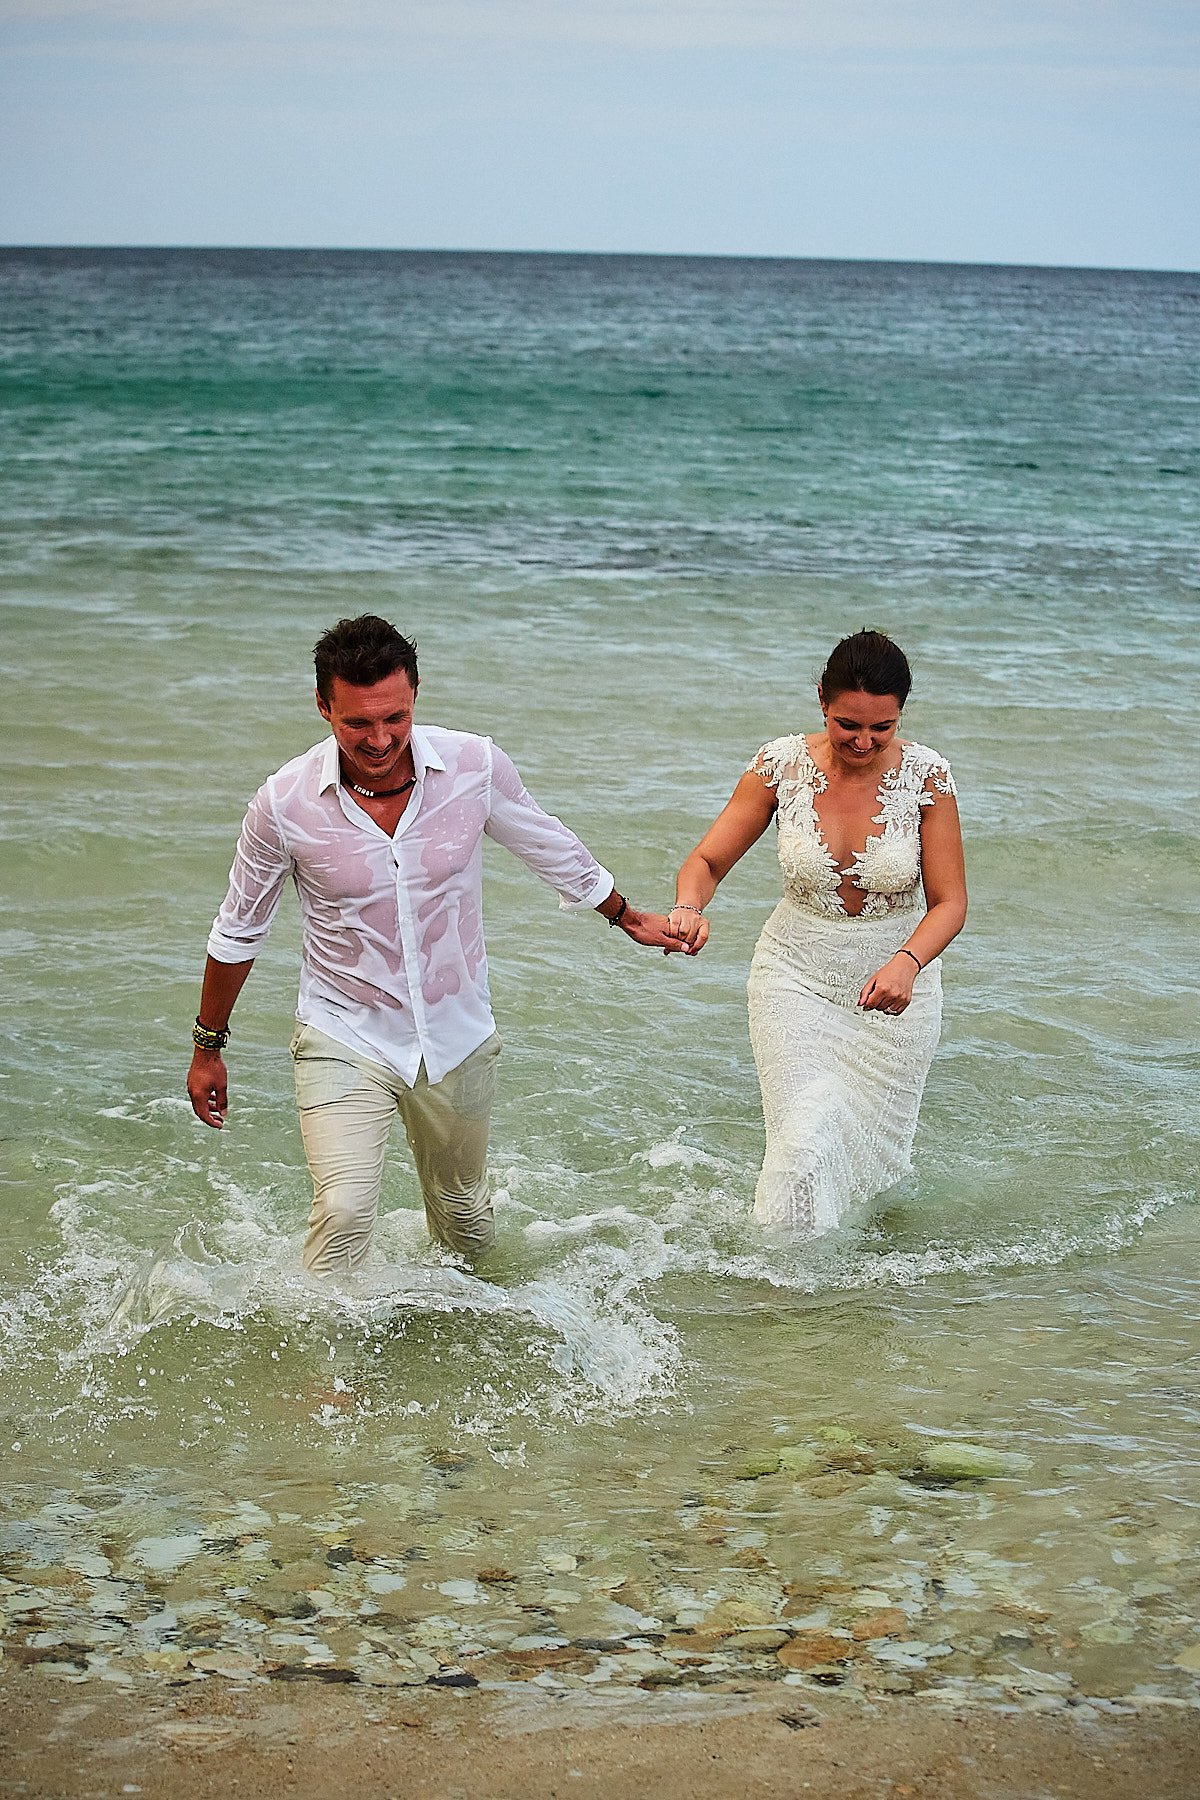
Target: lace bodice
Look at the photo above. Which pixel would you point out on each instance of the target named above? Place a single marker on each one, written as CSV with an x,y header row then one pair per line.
x,y
888,867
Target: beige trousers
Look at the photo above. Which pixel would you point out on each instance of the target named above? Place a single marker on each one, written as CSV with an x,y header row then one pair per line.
x,y
347,1106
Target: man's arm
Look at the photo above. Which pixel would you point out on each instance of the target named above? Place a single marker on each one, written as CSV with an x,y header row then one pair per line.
x,y
261,866
207,1082
553,851
642,927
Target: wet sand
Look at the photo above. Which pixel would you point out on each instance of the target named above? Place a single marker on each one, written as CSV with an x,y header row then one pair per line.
x,y
60,1741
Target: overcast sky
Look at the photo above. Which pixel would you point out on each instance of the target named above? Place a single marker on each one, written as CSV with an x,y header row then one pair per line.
x,y
1047,131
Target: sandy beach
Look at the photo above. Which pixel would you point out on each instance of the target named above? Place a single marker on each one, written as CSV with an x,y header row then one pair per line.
x,y
214,1738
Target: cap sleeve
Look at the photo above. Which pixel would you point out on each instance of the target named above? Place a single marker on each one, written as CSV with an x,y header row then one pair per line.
x,y
775,761
933,772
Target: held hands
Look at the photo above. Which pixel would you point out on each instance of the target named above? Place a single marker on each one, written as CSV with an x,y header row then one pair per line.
x,y
208,1088
688,928
649,928
890,989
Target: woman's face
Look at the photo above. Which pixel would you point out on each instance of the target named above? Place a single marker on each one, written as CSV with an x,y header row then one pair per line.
x,y
860,726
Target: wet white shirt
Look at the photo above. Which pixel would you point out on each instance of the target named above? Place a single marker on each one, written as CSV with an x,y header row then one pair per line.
x,y
394,964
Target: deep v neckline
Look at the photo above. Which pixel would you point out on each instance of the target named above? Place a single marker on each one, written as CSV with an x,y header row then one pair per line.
x,y
819,784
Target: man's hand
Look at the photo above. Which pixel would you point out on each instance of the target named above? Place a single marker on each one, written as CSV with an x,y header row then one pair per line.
x,y
650,928
208,1087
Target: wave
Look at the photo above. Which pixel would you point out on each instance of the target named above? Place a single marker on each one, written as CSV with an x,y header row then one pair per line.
x,y
574,1318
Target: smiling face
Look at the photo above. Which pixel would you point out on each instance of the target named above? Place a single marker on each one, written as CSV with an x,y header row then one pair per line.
x,y
860,727
372,726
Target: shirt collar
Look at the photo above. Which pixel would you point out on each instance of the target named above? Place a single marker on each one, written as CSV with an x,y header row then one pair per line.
x,y
424,754
424,757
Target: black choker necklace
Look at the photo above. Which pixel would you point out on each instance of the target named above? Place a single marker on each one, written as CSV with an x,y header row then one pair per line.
x,y
382,793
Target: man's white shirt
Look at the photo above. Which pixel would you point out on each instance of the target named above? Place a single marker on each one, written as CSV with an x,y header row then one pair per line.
x,y
393,962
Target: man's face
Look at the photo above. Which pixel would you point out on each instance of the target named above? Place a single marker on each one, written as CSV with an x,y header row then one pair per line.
x,y
372,726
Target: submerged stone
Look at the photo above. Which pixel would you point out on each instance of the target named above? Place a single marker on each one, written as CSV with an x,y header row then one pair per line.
x,y
382,1671
165,1554
301,1575
1107,1631
281,1603
948,1461
466,1593
745,1614
111,1600
890,1622
308,1672
765,1639
811,1649
249,1515
571,1658
560,1563
755,1466
65,1577
647,1662
232,1663
86,1562
386,1581
893,1682
165,1662
850,1460
799,1460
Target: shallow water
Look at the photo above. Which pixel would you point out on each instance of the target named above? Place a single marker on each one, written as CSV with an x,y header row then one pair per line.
x,y
625,506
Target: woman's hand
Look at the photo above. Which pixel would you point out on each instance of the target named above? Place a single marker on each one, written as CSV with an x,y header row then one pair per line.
x,y
890,988
649,928
689,926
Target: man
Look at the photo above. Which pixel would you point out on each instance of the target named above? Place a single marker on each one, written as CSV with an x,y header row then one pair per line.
x,y
381,829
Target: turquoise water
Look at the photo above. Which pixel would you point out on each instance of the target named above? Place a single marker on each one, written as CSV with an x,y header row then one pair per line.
x,y
625,506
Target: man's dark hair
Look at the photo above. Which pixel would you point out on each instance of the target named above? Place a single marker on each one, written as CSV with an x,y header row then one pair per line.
x,y
362,651
868,662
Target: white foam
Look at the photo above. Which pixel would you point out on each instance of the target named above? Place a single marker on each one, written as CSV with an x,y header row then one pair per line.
x,y
581,1327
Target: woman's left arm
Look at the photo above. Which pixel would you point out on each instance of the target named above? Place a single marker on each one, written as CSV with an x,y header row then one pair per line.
x,y
944,876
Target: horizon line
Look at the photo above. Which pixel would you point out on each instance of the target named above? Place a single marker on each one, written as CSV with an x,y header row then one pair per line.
x,y
932,262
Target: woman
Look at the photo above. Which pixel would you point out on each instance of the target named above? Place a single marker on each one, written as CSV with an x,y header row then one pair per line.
x,y
845,990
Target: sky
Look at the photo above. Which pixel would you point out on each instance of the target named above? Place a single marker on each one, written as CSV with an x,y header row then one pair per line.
x,y
1018,131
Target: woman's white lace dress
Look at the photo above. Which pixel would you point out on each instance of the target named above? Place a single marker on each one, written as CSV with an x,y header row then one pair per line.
x,y
841,1087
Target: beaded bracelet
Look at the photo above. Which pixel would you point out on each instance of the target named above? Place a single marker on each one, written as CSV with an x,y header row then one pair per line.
x,y
206,1038
686,906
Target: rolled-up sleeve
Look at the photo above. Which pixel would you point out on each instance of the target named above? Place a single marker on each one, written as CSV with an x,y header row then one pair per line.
x,y
543,843
261,866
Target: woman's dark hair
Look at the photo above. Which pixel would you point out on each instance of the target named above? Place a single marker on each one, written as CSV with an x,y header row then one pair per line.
x,y
362,651
866,663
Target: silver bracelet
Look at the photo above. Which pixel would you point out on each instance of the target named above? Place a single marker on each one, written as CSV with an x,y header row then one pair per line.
x,y
686,906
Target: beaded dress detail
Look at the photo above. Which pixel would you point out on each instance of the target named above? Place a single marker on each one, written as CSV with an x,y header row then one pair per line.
x,y
841,1087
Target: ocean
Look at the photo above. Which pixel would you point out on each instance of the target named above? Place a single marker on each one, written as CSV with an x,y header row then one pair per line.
x,y
625,506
